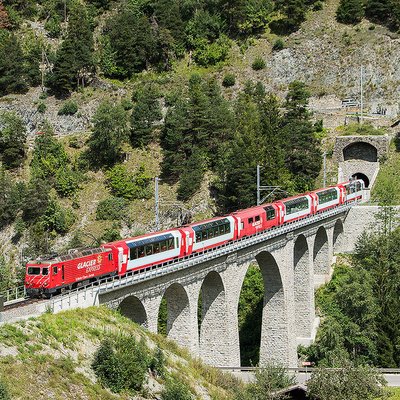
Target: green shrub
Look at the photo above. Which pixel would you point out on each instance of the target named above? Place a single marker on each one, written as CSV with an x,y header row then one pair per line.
x,y
121,363
157,363
319,5
111,234
111,209
4,395
229,80
41,108
258,64
69,107
126,104
211,53
278,45
67,182
56,218
175,390
127,185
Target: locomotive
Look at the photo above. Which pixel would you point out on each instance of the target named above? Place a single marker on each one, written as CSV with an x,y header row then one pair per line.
x,y
80,267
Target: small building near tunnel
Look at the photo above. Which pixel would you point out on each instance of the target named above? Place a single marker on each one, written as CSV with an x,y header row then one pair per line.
x,y
359,156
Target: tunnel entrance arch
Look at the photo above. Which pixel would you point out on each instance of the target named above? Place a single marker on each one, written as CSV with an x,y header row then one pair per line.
x,y
360,151
360,175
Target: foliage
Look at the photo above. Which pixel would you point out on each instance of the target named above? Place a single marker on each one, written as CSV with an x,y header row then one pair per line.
x,y
278,45
11,198
268,381
347,382
145,113
250,316
258,64
12,74
74,60
69,107
111,234
4,395
157,363
350,11
128,185
211,53
12,139
110,131
56,218
176,390
41,107
35,199
361,130
121,363
67,181
48,154
229,80
193,134
360,303
385,12
6,282
111,209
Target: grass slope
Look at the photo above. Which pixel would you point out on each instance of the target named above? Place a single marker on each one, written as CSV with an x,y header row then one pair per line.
x,y
51,356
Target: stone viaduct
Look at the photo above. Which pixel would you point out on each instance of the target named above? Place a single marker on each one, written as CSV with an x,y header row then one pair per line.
x,y
292,264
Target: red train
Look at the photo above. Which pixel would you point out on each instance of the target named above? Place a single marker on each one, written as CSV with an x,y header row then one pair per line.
x,y
77,268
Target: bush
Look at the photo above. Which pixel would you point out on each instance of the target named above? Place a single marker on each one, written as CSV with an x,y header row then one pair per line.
x,y
258,64
211,53
41,108
319,5
229,80
127,185
67,182
69,107
157,363
4,395
111,209
121,363
175,390
278,45
126,104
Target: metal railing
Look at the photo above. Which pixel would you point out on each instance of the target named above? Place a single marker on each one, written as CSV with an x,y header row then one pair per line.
x,y
13,295
133,277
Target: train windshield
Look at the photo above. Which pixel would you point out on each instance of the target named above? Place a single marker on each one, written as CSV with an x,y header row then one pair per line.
x,y
33,271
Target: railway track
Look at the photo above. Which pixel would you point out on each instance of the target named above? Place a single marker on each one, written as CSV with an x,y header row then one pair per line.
x,y
21,303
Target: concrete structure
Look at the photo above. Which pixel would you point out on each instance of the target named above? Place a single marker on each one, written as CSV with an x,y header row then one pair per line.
x,y
293,260
359,156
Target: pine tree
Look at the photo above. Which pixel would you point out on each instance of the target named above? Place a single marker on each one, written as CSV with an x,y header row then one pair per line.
x,y
145,113
350,11
12,79
303,156
74,60
12,140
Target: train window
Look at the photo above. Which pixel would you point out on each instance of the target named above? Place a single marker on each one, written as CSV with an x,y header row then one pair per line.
x,y
45,271
133,253
149,249
296,205
270,211
204,235
109,256
171,244
156,247
216,231
221,230
33,271
55,270
198,236
257,218
140,251
163,245
327,195
210,233
227,227
250,220
62,270
176,242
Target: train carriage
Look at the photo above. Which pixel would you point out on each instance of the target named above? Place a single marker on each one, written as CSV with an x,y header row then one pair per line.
x,y
203,235
327,198
353,190
296,207
143,251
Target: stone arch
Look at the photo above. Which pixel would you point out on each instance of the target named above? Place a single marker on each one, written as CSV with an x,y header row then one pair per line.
x,y
337,236
360,175
178,314
321,252
302,290
360,151
132,308
274,342
212,325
